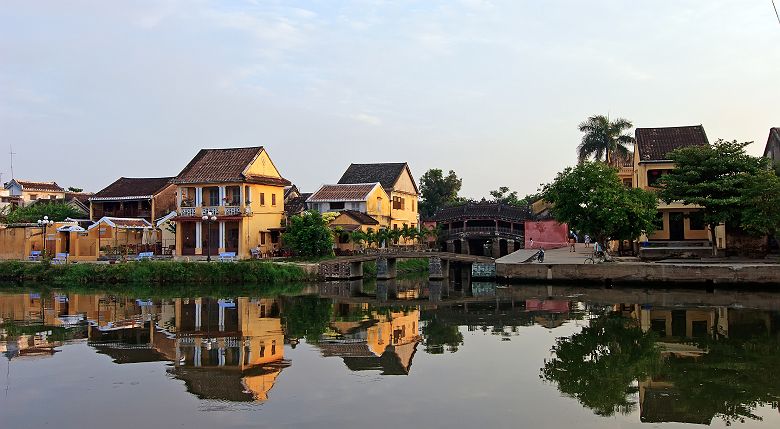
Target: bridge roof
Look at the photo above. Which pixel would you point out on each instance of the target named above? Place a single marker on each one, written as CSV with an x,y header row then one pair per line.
x,y
487,210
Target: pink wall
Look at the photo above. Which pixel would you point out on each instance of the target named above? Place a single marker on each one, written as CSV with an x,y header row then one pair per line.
x,y
547,233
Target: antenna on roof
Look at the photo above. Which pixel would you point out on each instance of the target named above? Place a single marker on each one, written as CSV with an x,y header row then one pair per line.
x,y
12,153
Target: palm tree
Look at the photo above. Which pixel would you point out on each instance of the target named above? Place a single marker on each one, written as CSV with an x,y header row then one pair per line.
x,y
605,139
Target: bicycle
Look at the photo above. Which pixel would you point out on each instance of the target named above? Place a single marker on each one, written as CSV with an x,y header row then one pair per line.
x,y
597,257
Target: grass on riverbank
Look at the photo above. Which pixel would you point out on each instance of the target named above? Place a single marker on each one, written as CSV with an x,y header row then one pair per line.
x,y
152,272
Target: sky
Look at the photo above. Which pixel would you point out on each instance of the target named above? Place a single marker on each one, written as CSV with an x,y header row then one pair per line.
x,y
494,90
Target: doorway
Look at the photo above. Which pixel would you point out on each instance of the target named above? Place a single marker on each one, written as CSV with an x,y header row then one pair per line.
x,y
676,226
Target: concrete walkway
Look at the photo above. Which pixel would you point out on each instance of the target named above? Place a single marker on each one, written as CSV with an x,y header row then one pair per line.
x,y
551,256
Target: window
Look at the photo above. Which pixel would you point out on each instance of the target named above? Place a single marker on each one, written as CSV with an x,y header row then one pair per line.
x,y
262,198
697,221
273,347
52,197
627,183
654,175
233,195
213,196
33,197
273,199
248,194
379,204
262,238
337,206
398,203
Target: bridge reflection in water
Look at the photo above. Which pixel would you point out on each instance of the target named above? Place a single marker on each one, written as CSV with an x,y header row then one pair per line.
x,y
233,349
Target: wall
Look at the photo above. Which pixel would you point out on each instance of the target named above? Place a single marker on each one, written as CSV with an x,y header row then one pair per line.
x,y
12,243
548,234
382,214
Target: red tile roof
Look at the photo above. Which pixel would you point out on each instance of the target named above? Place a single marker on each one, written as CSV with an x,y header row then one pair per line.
x,y
225,165
29,185
655,144
353,192
132,188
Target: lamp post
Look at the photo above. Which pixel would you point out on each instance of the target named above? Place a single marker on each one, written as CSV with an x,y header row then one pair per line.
x,y
44,223
209,217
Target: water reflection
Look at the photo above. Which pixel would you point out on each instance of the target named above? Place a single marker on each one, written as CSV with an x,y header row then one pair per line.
x,y
665,356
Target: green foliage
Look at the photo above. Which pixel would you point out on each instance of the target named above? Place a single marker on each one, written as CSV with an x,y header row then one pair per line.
x,y
590,198
437,191
57,211
152,272
760,201
438,334
605,139
716,178
599,365
306,316
74,189
308,235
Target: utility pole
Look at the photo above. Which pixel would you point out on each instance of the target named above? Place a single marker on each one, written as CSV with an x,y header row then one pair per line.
x,y
12,153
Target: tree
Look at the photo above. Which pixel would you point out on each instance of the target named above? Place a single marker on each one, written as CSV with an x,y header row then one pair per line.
x,y
504,196
73,189
437,191
713,177
308,235
599,365
306,316
591,198
605,139
56,211
760,200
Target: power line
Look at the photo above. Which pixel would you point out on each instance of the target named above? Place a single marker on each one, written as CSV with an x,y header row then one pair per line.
x,y
776,13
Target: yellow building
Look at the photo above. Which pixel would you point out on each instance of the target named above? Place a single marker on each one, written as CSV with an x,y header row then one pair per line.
x,y
348,221
399,184
23,192
676,221
147,198
243,189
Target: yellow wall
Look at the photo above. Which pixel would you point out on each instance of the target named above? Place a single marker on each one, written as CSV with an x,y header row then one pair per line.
x,y
380,212
263,166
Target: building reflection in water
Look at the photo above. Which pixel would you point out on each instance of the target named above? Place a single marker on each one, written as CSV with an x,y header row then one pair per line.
x,y
681,334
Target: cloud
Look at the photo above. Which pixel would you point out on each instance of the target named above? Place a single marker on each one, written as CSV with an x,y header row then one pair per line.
x,y
367,119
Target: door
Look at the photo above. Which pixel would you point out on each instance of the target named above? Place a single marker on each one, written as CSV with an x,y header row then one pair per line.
x,y
676,226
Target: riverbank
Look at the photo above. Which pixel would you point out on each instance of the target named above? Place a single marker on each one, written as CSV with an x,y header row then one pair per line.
x,y
154,272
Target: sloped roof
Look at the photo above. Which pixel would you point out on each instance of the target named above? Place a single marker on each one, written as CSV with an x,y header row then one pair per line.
x,y
29,185
132,188
296,205
772,140
123,222
486,210
343,192
225,165
655,144
385,173
362,218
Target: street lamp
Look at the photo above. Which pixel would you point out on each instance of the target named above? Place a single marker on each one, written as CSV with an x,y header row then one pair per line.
x,y
209,217
45,223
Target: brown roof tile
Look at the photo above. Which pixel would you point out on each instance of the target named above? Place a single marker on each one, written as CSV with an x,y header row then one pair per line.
x,y
132,187
361,217
225,165
385,173
352,192
486,210
29,185
655,144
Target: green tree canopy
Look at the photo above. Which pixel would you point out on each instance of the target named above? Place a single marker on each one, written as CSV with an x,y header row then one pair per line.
x,y
308,235
605,139
74,189
714,177
437,191
760,201
591,198
306,316
56,211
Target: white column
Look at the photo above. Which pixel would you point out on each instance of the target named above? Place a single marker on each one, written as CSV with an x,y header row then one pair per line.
x,y
222,234
242,197
222,195
221,318
178,197
198,196
198,310
198,235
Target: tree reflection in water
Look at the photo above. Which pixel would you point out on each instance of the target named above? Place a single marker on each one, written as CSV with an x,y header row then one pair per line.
x,y
437,334
609,362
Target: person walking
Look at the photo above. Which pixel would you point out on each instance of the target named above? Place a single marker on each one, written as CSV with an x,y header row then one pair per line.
x,y
587,240
572,242
532,244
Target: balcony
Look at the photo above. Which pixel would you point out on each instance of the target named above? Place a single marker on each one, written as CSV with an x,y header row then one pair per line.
x,y
232,211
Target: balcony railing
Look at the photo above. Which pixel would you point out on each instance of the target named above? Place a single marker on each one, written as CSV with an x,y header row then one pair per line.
x,y
187,211
232,210
483,230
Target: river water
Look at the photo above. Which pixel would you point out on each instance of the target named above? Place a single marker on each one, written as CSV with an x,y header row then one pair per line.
x,y
406,353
